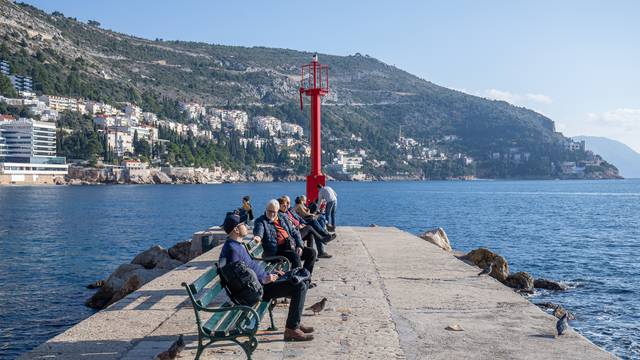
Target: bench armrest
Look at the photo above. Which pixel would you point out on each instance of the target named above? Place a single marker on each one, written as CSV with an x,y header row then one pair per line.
x,y
274,258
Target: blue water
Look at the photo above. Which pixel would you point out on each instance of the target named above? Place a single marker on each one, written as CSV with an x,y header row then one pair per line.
x,y
55,240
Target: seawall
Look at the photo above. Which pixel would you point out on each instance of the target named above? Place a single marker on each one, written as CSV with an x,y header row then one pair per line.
x,y
390,295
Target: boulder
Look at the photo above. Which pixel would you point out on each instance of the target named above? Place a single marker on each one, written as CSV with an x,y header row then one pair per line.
x,y
519,280
168,264
437,237
160,178
151,257
483,257
124,280
181,251
548,285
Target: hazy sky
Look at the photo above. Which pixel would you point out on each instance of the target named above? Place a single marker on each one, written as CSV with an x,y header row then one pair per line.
x,y
577,62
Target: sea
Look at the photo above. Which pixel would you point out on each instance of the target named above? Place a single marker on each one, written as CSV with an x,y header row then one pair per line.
x,y
56,240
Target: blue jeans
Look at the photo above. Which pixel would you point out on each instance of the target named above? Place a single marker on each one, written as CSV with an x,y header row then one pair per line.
x,y
330,212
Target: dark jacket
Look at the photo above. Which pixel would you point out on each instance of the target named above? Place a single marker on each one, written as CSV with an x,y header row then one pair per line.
x,y
265,228
233,251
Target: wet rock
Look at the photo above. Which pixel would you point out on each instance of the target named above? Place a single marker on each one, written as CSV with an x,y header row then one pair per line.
x,y
548,285
483,257
437,237
181,251
519,280
152,257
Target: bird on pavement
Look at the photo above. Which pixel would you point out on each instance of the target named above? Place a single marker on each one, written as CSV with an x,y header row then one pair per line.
x,y
173,350
318,307
486,270
563,324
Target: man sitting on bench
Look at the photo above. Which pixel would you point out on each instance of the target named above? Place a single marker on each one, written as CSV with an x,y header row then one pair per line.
x,y
279,237
233,251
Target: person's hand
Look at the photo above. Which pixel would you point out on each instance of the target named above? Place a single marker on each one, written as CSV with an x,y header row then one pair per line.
x,y
271,278
302,226
299,251
257,239
280,272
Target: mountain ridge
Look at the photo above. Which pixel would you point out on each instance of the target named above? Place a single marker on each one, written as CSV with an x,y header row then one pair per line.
x,y
368,97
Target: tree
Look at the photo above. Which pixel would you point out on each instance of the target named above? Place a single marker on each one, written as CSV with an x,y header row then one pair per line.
x,y
6,87
93,23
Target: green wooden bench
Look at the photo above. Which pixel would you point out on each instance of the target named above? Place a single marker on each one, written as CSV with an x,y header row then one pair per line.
x,y
228,321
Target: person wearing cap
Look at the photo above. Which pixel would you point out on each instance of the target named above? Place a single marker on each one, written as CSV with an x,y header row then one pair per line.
x,y
279,237
233,250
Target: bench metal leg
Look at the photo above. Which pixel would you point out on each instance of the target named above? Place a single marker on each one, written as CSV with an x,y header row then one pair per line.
x,y
271,306
248,346
200,348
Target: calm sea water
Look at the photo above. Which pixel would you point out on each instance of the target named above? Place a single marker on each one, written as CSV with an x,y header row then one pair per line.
x,y
55,240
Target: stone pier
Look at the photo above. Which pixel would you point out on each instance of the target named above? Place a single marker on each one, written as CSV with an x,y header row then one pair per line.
x,y
391,295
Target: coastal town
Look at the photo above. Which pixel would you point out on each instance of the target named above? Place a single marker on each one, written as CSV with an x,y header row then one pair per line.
x,y
136,144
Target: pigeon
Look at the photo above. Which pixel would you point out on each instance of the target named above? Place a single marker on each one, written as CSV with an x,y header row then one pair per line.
x,y
318,307
562,325
173,350
486,270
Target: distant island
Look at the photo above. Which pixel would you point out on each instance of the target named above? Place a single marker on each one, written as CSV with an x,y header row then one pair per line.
x,y
121,103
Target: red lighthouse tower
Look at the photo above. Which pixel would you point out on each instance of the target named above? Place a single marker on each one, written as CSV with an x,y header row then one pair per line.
x,y
315,84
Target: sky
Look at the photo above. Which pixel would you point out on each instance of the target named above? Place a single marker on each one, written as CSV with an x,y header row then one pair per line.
x,y
576,62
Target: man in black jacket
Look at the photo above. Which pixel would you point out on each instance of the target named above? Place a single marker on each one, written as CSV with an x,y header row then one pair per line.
x,y
279,237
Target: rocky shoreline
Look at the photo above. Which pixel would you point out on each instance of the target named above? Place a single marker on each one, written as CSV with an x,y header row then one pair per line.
x,y
186,175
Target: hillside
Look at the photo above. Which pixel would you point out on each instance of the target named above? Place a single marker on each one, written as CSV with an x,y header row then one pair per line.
x,y
626,159
369,98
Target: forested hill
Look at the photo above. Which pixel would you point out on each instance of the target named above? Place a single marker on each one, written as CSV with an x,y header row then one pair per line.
x,y
368,99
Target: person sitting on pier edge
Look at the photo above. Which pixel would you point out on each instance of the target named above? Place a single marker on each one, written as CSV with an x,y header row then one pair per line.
x,y
329,196
315,220
233,251
246,212
307,232
279,237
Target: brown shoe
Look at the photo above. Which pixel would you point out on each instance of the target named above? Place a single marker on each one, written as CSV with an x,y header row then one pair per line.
x,y
296,335
306,329
325,256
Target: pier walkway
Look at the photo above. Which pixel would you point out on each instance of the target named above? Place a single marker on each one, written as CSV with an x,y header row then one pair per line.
x,y
391,295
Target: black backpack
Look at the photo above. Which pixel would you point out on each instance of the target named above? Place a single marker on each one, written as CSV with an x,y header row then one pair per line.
x,y
241,283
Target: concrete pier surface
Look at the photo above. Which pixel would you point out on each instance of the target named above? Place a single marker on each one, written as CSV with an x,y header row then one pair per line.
x,y
391,295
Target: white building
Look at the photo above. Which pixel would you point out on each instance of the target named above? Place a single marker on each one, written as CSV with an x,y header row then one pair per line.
x,y
292,129
28,152
120,142
59,103
235,120
150,118
215,122
347,163
268,124
133,111
193,110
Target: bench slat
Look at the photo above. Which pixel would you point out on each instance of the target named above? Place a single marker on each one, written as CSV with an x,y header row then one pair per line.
x,y
206,296
203,280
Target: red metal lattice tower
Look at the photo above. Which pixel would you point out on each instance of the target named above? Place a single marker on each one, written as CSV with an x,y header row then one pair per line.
x,y
315,84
